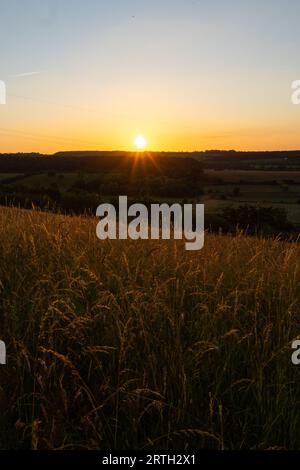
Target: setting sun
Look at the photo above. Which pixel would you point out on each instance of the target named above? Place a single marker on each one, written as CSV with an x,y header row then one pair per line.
x,y
140,142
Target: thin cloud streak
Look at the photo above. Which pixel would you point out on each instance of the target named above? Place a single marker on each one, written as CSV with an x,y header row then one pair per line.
x,y
25,74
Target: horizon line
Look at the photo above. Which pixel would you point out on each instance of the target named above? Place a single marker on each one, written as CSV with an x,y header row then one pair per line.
x,y
152,151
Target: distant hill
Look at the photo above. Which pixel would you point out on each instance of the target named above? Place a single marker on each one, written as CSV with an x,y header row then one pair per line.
x,y
93,161
227,154
98,162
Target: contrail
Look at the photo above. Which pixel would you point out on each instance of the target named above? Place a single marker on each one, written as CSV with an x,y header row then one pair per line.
x,y
25,74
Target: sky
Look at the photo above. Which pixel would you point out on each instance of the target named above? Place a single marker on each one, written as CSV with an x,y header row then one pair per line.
x,y
185,74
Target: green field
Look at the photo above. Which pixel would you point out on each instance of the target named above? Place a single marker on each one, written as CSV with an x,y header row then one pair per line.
x,y
252,176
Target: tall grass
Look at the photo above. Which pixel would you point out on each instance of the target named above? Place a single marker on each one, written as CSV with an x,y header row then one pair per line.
x,y
141,344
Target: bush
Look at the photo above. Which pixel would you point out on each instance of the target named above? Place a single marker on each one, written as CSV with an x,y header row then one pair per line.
x,y
255,219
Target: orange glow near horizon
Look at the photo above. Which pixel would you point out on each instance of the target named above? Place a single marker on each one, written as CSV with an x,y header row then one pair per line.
x,y
51,141
167,122
164,129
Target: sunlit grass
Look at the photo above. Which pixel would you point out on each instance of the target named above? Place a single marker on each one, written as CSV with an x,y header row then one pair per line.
x,y
130,344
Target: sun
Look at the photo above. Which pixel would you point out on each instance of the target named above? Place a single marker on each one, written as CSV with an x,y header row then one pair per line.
x,y
140,142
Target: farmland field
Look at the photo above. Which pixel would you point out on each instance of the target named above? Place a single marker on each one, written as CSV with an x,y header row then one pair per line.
x,y
254,176
217,189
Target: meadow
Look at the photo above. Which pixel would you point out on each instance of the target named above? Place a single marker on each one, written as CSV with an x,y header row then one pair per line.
x,y
141,344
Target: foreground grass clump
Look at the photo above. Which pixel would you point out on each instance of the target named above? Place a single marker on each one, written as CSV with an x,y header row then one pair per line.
x,y
140,344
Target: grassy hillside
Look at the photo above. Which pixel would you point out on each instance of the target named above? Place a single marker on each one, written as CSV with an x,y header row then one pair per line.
x,y
142,344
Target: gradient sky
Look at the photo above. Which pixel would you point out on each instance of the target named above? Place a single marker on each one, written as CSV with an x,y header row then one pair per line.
x,y
186,74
